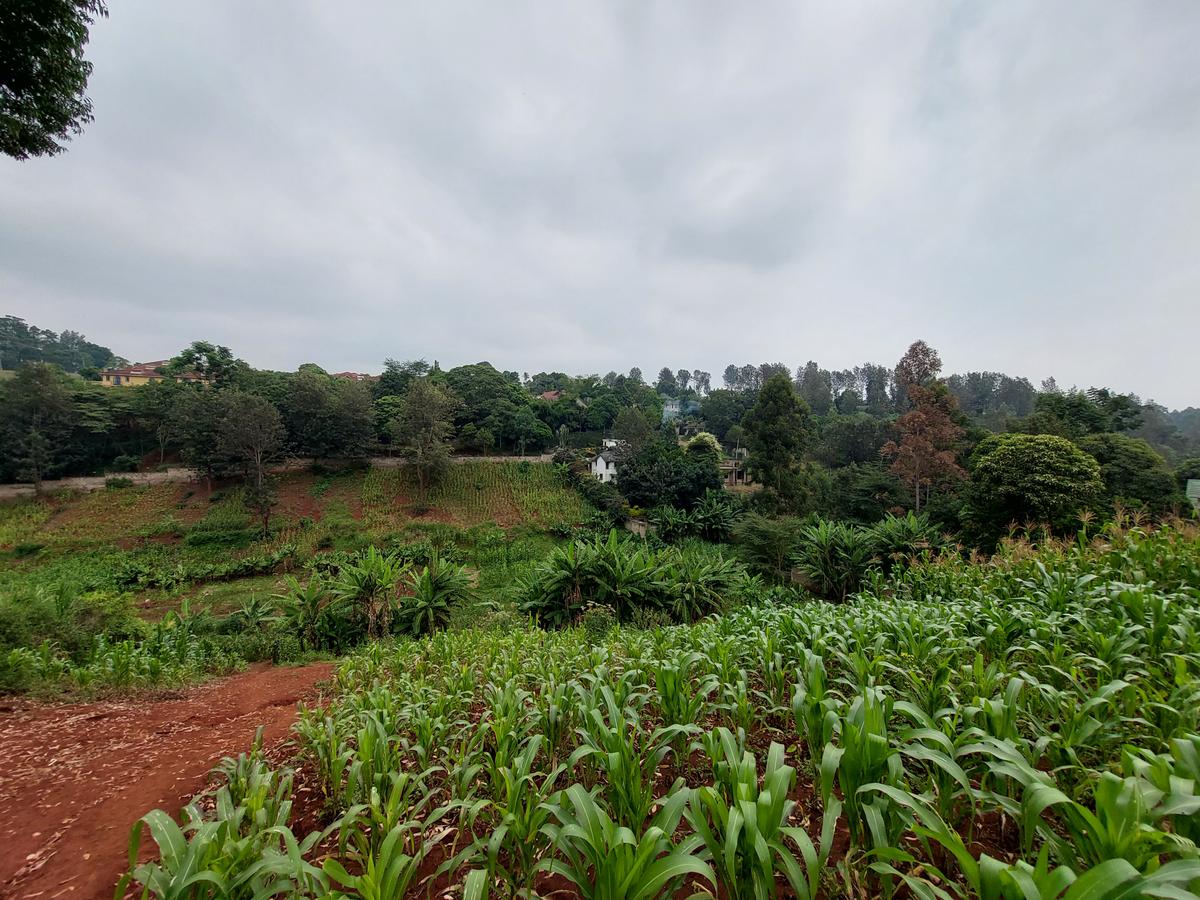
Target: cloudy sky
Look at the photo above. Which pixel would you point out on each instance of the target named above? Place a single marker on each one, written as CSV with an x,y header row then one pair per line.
x,y
591,186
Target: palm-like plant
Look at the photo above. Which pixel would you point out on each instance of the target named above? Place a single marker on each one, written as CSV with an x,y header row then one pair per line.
x,y
834,556
369,584
436,590
303,607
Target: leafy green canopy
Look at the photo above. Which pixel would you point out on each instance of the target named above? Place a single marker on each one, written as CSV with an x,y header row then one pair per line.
x,y
1038,479
43,74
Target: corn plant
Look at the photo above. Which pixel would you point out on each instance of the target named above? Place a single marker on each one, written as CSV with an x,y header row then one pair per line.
x,y
863,755
746,832
389,873
814,709
629,759
607,861
517,842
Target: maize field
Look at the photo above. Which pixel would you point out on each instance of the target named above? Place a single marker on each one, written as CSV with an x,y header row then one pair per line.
x,y
1025,728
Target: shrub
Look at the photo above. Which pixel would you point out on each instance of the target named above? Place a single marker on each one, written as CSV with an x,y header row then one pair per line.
x,y
768,545
598,622
124,463
436,590
834,557
627,576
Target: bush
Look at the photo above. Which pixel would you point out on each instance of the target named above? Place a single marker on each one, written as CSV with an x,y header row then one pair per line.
x,y
116,483
834,557
628,576
124,463
598,622
768,545
218,534
67,621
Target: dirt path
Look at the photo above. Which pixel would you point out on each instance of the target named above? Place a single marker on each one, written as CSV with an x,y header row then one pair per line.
x,y
74,778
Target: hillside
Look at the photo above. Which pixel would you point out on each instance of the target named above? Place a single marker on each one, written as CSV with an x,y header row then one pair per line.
x,y
165,536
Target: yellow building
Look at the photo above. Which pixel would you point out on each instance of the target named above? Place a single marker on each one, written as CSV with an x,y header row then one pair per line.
x,y
143,373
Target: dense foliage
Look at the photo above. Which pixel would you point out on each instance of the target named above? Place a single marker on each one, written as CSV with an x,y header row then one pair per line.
x,y
43,74
851,445
1031,730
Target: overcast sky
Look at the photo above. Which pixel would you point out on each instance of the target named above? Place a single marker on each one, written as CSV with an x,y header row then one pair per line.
x,y
591,186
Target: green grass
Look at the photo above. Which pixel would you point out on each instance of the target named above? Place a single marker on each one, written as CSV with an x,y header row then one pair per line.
x,y
507,493
21,522
86,540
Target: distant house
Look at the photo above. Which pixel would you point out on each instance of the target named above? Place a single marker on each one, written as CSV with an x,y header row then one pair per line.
x,y
145,373
674,408
551,396
1193,493
355,376
604,466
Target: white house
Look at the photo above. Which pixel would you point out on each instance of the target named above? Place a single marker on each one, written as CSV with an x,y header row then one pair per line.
x,y
604,467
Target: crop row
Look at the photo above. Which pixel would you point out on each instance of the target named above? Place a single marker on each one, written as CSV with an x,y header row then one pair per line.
x,y
1026,729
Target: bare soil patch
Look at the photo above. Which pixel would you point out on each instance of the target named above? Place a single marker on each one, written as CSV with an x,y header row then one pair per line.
x,y
77,776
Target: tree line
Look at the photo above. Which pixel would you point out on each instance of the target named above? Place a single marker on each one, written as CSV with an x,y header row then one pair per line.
x,y
851,444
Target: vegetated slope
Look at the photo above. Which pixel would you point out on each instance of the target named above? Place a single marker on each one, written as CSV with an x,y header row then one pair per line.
x,y
76,777
938,731
90,539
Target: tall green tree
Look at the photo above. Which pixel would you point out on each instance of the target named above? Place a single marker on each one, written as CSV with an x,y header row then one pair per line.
x,y
212,362
43,73
36,420
397,376
1132,471
722,409
251,437
632,427
423,427
154,407
21,343
777,434
326,416
250,434
814,386
1038,479
666,383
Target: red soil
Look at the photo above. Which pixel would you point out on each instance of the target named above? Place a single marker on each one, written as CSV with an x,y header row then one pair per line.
x,y
75,777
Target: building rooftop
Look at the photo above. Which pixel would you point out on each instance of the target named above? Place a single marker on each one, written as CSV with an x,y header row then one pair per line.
x,y
148,370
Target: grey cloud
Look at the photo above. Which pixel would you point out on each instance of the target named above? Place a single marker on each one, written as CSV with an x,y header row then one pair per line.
x,y
598,185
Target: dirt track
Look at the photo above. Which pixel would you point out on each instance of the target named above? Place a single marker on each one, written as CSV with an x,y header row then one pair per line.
x,y
74,778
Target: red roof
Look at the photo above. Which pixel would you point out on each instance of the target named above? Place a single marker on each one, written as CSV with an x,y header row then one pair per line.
x,y
147,370
355,376
551,395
